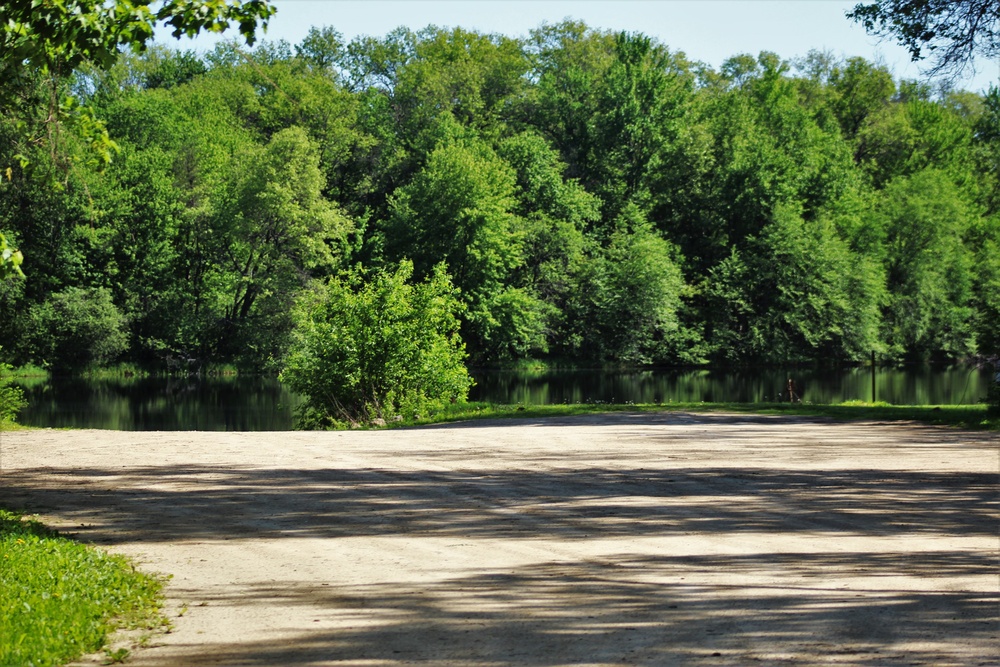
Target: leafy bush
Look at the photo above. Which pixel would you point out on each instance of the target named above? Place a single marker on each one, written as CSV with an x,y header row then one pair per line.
x,y
374,350
76,328
11,398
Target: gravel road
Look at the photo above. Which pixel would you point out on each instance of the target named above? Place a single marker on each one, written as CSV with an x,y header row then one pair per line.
x,y
622,539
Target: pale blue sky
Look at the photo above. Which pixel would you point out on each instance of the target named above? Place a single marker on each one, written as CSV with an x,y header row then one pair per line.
x,y
706,30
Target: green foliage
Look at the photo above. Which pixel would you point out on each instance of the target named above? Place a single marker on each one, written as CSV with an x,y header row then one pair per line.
x,y
76,328
630,297
904,138
374,347
802,295
826,297
11,398
986,291
275,230
468,75
172,68
610,103
62,35
860,89
459,210
60,599
10,260
928,268
43,41
594,196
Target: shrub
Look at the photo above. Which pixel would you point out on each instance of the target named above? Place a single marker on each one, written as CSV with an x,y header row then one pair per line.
x,y
76,328
11,398
374,350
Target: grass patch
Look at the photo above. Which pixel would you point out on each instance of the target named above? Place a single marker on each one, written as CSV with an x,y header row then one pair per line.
x,y
115,372
973,417
29,371
60,599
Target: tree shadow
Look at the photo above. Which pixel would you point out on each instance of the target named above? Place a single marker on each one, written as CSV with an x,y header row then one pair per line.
x,y
627,609
183,502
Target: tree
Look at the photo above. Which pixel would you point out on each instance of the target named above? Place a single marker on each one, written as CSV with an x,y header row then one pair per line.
x,y
373,347
953,31
906,137
135,216
11,398
860,90
924,220
629,295
472,76
276,230
609,103
459,209
555,212
322,49
51,39
748,147
77,328
40,39
822,300
376,63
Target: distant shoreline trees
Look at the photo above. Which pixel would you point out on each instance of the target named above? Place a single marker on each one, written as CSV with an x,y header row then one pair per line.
x,y
594,198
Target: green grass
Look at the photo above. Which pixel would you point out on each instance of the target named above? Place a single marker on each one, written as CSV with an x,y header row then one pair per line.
x,y
118,371
29,371
60,599
972,417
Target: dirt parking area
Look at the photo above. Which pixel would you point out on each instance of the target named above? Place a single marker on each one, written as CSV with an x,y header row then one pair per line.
x,y
624,539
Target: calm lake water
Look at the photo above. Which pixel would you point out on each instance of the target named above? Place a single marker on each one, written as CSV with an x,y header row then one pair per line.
x,y
263,404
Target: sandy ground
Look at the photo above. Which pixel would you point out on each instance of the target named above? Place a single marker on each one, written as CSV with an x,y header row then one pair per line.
x,y
669,539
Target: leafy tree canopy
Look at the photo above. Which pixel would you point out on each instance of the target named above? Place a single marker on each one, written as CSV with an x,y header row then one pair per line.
x,y
62,34
954,32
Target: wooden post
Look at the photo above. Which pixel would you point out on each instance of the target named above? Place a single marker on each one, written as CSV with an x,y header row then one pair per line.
x,y
873,376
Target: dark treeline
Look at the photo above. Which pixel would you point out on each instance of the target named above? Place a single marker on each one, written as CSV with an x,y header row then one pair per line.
x,y
594,197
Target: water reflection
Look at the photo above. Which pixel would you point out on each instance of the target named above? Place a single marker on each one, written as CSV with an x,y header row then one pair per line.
x,y
917,385
263,404
161,404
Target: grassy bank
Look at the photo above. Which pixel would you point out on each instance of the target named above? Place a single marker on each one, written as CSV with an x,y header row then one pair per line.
x,y
60,599
972,417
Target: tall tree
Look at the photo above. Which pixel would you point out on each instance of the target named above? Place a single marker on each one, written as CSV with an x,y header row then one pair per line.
x,y
277,231
65,34
459,209
928,267
610,103
626,311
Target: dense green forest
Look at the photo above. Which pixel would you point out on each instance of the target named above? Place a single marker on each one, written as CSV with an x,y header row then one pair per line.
x,y
581,195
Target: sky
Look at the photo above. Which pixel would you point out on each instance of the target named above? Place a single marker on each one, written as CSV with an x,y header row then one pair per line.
x,y
705,30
